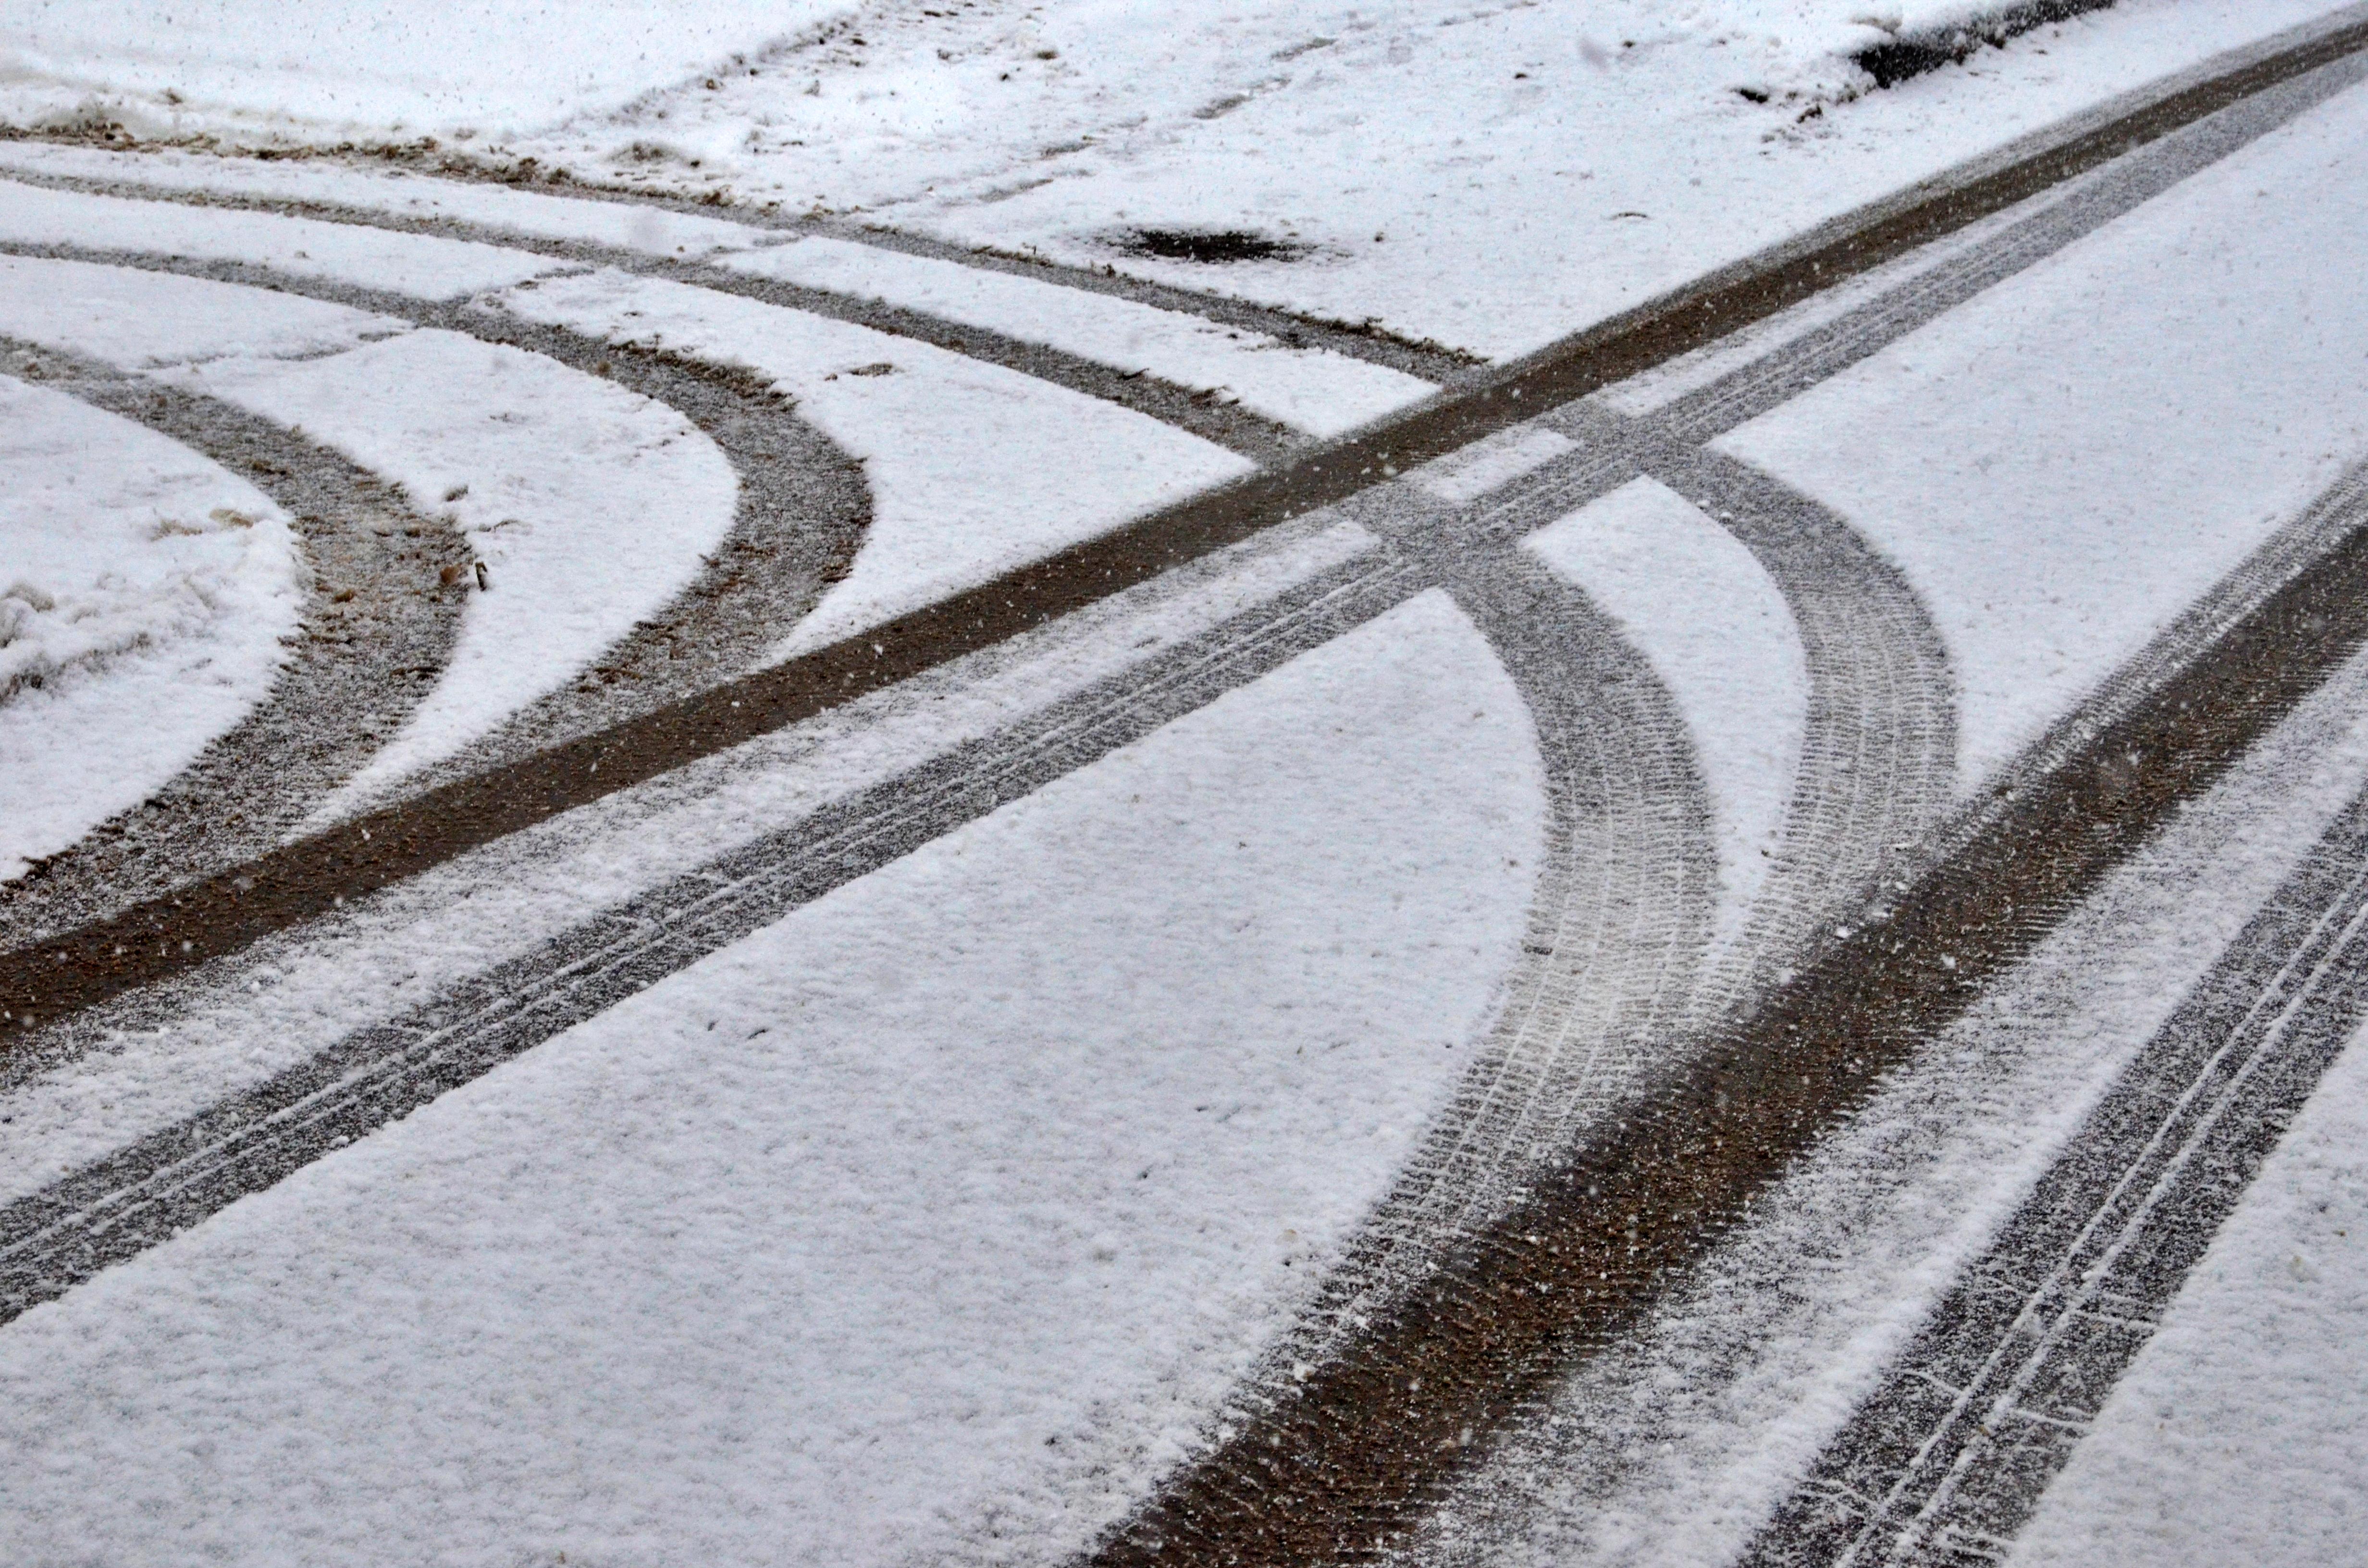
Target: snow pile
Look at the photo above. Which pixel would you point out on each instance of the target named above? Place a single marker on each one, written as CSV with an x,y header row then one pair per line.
x,y
143,592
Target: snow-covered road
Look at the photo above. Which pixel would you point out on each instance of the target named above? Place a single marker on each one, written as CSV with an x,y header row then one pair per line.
x,y
810,897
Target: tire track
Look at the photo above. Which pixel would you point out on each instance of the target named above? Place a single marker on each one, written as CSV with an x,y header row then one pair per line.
x,y
1702,415
1599,1428
1345,1463
376,629
1945,1461
1238,430
216,916
53,1240
800,520
1617,929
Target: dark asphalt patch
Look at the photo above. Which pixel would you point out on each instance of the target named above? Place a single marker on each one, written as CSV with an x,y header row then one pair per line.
x,y
1213,247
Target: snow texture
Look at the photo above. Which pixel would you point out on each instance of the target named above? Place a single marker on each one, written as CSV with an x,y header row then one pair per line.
x,y
1487,176
344,66
2068,461
425,266
144,321
144,596
1698,605
590,505
972,468
928,1220
2240,1433
1311,390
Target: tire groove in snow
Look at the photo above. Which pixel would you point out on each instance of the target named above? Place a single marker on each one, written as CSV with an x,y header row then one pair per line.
x,y
212,917
1196,410
1948,1458
376,629
797,525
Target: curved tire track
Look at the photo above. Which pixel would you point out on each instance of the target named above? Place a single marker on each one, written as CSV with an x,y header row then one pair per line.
x,y
1617,929
800,519
1262,440
375,632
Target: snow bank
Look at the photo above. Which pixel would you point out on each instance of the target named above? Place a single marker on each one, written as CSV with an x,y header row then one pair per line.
x,y
144,595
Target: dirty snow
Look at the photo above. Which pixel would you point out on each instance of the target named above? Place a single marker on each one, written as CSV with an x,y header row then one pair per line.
x,y
144,593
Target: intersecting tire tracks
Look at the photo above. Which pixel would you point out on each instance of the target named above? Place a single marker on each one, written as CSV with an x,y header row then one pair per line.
x,y
1336,1471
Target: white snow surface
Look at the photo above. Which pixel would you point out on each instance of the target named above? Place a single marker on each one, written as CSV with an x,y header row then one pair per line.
x,y
972,468
1701,608
144,592
1489,177
2240,1433
927,1221
363,66
426,267
143,321
591,505
2058,476
1312,390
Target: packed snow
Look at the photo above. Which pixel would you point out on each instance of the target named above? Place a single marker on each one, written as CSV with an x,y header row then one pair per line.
x,y
144,595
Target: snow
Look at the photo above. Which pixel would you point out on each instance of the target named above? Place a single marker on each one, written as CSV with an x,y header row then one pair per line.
x,y
138,321
1491,177
423,265
2240,1433
806,1253
488,64
1715,629
295,995
2058,479
1472,470
1721,1401
972,468
1312,390
590,505
144,593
